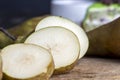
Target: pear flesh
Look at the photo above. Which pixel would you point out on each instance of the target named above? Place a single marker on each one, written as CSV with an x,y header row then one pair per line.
x,y
26,62
60,21
62,43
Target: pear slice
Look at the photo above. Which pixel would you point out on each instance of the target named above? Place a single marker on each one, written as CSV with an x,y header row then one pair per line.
x,y
26,62
60,21
61,42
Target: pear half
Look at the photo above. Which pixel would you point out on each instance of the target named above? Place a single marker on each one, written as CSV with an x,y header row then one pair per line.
x,y
60,21
61,42
26,62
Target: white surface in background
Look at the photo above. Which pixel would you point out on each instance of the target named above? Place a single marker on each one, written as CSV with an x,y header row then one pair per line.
x,y
74,10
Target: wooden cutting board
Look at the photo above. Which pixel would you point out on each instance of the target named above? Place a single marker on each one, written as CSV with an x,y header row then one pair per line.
x,y
93,69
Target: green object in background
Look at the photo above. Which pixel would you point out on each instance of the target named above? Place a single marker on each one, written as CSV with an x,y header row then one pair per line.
x,y
99,14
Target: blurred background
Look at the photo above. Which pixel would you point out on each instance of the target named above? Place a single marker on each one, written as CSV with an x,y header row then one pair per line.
x,y
13,12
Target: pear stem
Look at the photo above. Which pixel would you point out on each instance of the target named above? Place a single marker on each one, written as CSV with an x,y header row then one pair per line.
x,y
7,33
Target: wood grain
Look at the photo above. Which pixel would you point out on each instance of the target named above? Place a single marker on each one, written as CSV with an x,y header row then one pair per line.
x,y
93,69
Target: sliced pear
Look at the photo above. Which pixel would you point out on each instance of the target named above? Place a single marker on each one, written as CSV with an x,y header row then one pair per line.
x,y
61,42
26,62
60,21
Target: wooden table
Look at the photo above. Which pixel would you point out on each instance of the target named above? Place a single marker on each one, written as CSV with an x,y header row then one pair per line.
x,y
93,69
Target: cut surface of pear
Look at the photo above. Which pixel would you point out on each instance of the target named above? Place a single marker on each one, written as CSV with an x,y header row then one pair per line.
x,y
26,61
60,21
62,43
